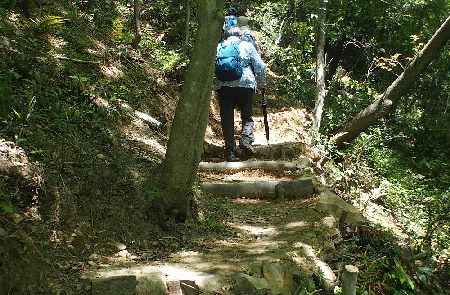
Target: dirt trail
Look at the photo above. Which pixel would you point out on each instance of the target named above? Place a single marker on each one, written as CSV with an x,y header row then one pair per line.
x,y
260,230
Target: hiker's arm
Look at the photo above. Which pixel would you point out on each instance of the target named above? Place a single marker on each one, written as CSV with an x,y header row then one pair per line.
x,y
259,67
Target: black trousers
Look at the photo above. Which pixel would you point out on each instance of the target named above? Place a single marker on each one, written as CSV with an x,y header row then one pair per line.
x,y
229,99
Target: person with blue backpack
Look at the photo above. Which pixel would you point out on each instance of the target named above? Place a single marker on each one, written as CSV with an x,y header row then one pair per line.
x,y
231,19
239,72
247,33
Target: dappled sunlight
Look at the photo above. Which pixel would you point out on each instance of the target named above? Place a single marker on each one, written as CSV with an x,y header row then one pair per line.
x,y
15,163
297,224
248,201
261,231
255,230
205,262
56,42
139,131
143,116
151,143
13,17
188,256
112,71
100,49
100,102
377,214
263,246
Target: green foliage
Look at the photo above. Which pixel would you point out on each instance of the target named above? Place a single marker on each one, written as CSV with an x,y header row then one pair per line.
x,y
168,20
120,33
288,45
47,23
164,58
345,99
81,85
6,93
155,194
397,279
6,208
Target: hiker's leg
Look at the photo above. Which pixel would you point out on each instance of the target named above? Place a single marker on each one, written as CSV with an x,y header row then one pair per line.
x,y
246,106
227,104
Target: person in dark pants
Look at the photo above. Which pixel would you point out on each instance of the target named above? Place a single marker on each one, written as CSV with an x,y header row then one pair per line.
x,y
239,94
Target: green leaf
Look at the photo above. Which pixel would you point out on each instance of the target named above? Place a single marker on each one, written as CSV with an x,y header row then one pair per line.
x,y
6,208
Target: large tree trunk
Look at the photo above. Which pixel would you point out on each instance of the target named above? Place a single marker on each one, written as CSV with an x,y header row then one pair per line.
x,y
320,66
185,144
388,101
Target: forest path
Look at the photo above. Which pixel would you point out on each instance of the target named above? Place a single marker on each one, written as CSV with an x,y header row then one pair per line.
x,y
288,233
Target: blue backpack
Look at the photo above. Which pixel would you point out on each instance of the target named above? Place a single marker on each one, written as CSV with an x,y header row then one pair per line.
x,y
230,22
229,65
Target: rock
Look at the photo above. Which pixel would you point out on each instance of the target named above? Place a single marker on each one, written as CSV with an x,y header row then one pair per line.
x,y
304,162
120,246
280,279
120,285
248,285
327,277
152,283
123,254
4,41
255,270
329,221
94,257
174,288
331,203
17,217
210,285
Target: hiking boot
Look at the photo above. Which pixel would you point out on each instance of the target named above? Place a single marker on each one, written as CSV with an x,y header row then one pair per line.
x,y
230,155
247,149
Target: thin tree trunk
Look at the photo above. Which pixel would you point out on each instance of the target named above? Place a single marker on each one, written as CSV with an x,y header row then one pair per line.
x,y
185,144
137,25
188,20
320,66
388,101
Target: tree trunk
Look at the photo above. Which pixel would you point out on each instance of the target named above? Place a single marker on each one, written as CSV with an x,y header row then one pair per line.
x,y
185,145
188,21
320,66
137,25
388,101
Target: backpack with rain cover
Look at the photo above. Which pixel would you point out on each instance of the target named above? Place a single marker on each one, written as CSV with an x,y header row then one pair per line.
x,y
230,22
228,61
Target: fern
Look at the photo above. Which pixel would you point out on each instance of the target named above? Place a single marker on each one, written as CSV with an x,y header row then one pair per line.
x,y
47,23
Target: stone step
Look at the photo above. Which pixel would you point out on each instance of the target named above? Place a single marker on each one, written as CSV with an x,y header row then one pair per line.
x,y
299,188
282,151
162,279
279,166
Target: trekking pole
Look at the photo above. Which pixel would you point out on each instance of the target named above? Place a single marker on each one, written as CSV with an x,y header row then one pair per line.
x,y
264,111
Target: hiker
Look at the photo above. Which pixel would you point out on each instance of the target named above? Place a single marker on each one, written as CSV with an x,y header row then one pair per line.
x,y
237,91
247,33
230,20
